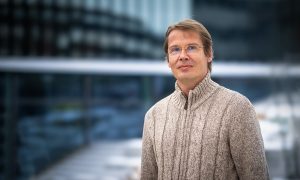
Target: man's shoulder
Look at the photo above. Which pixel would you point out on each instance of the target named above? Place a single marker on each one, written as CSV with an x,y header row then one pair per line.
x,y
234,95
236,99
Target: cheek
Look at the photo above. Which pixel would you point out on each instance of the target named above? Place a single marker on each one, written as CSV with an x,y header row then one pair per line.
x,y
171,63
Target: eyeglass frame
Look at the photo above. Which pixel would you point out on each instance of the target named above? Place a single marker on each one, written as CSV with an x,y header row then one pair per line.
x,y
186,49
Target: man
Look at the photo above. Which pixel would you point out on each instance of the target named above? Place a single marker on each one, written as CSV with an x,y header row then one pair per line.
x,y
202,130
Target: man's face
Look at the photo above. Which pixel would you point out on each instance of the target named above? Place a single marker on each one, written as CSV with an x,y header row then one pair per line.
x,y
186,56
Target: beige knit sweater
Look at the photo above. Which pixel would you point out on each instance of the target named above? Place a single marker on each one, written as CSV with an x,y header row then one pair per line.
x,y
211,134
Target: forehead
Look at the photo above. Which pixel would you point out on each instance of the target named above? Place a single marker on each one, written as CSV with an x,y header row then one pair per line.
x,y
183,37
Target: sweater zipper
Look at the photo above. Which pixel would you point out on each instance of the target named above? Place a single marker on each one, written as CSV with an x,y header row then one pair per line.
x,y
181,174
186,104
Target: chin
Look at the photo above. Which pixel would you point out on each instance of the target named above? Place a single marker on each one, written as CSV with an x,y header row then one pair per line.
x,y
186,73
188,77
184,77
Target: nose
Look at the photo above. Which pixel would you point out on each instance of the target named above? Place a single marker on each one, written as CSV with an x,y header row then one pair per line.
x,y
183,56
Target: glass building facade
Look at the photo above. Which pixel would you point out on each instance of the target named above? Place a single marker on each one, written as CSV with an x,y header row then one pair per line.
x,y
252,30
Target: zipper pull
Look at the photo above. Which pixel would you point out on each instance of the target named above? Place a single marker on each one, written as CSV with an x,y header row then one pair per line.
x,y
186,104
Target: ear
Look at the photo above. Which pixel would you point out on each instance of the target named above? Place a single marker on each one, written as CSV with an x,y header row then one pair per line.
x,y
209,59
211,55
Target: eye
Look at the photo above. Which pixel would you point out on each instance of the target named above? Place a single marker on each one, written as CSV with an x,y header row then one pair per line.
x,y
191,48
175,50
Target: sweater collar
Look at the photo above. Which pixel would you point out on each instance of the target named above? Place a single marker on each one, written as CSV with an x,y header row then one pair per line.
x,y
198,95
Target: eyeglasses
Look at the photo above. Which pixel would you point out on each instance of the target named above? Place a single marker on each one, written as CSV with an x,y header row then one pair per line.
x,y
189,49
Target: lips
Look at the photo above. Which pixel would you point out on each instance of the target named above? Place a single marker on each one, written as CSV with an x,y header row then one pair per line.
x,y
184,66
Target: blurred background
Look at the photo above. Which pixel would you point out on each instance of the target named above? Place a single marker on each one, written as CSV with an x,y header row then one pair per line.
x,y
77,76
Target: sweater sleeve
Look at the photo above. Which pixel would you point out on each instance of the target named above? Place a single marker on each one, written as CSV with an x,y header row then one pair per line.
x,y
245,140
148,166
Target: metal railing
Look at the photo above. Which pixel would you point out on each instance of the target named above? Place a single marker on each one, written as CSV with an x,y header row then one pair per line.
x,y
140,67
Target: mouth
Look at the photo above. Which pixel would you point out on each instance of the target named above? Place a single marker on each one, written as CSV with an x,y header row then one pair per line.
x,y
185,66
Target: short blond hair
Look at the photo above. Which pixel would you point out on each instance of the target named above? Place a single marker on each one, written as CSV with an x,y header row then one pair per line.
x,y
195,26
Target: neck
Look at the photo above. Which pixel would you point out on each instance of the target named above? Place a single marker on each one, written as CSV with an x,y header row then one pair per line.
x,y
186,86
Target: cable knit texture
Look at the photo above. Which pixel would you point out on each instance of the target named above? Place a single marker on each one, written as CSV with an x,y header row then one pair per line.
x,y
211,134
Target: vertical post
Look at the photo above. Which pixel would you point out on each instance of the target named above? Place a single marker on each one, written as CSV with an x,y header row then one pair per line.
x,y
10,119
146,91
87,82
293,127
